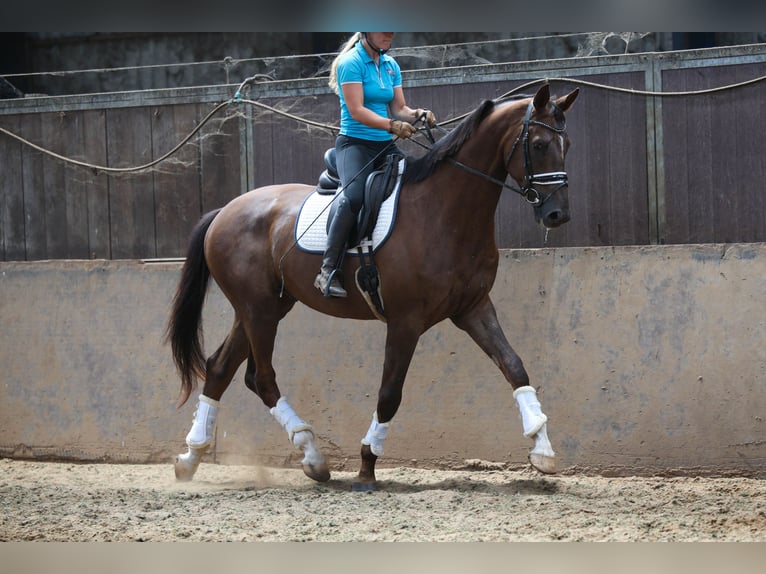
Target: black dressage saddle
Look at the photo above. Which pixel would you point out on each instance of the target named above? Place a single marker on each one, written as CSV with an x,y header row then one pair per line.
x,y
378,187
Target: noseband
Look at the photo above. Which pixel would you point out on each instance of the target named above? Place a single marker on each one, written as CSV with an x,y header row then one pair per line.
x,y
557,178
528,189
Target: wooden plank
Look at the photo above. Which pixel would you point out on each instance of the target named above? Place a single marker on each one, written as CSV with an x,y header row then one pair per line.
x,y
675,114
598,195
34,190
12,215
90,133
221,169
54,188
688,159
627,219
748,120
131,196
75,184
176,179
726,176
263,125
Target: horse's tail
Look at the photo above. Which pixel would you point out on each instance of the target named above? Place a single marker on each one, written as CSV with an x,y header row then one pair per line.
x,y
184,330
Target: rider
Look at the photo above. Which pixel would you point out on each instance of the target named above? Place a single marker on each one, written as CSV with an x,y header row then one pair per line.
x,y
372,108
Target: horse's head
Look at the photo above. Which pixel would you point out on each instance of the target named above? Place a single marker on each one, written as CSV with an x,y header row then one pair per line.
x,y
535,158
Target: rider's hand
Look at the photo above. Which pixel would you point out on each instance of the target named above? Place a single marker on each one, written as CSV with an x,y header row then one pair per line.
x,y
430,118
402,130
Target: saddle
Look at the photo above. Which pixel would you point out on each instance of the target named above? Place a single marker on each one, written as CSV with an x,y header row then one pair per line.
x,y
378,187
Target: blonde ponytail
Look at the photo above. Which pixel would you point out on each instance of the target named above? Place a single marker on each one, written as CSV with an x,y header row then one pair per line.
x,y
333,82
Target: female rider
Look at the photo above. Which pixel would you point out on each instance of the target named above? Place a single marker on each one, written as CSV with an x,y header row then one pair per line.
x,y
372,110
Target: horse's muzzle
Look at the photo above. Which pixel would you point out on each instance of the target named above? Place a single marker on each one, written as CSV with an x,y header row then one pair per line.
x,y
554,217
553,212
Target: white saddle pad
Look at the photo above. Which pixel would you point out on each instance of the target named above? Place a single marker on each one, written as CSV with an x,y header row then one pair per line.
x,y
311,225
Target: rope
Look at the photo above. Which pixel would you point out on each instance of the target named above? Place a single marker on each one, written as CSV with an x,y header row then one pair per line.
x,y
328,127
104,168
334,129
629,91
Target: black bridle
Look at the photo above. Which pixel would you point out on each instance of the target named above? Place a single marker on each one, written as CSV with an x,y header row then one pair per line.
x,y
528,190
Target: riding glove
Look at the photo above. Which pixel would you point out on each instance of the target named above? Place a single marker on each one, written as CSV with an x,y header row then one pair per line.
x,y
430,117
402,130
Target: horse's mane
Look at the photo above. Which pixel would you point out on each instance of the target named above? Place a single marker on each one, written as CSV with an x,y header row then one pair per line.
x,y
418,169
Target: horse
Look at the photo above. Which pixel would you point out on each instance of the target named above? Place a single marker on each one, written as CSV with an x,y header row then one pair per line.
x,y
439,262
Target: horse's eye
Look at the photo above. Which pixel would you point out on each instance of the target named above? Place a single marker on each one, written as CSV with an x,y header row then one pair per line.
x,y
540,145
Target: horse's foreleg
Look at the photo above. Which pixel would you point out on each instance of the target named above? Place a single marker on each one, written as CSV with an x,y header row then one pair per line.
x,y
534,425
483,327
219,370
400,347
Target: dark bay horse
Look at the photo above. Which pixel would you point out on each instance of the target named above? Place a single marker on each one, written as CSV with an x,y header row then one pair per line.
x,y
438,263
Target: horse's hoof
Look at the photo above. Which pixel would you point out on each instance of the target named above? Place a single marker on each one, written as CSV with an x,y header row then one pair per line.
x,y
363,487
544,464
318,472
187,464
184,472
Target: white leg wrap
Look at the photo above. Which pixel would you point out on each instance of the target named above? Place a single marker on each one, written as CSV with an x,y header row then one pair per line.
x,y
203,427
299,432
542,444
304,440
532,417
289,419
376,434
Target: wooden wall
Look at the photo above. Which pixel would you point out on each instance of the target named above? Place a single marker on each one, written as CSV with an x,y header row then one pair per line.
x,y
643,170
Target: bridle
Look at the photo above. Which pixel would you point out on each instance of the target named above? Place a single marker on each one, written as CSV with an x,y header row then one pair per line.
x,y
528,190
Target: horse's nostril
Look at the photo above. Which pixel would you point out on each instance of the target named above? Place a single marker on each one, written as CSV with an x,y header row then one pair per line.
x,y
554,215
555,218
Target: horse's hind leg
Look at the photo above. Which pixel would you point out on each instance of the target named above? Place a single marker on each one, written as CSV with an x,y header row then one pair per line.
x,y
482,325
261,379
219,370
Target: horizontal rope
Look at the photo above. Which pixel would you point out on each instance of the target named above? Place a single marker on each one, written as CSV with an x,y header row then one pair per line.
x,y
334,129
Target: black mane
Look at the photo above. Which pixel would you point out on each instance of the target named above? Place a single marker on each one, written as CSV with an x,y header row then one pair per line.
x,y
418,169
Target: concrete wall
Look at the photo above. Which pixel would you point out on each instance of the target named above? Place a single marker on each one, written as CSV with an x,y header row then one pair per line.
x,y
647,359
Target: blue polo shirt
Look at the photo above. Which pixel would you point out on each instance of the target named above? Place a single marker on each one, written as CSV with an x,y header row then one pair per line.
x,y
378,83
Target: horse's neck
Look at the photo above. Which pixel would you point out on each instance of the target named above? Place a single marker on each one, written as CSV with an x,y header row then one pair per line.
x,y
471,190
465,203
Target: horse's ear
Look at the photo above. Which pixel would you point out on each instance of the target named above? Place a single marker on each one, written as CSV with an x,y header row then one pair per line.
x,y
542,96
565,102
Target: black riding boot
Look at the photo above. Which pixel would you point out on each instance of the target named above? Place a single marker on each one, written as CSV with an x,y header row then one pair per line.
x,y
327,281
